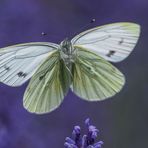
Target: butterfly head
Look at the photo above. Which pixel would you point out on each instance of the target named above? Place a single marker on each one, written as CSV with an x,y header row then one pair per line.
x,y
66,46
65,43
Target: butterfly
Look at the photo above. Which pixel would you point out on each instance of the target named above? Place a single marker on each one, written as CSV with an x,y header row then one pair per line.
x,y
82,64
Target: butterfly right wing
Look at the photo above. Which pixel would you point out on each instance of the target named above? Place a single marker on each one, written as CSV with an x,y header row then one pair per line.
x,y
114,42
18,63
95,79
48,86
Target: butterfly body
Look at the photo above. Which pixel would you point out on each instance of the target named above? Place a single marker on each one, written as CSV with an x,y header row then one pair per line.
x,y
81,64
67,52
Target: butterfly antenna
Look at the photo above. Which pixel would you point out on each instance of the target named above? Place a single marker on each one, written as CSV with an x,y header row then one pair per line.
x,y
43,33
84,27
54,36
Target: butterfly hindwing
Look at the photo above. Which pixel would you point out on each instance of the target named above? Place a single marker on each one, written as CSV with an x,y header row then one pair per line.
x,y
94,78
113,42
18,63
48,86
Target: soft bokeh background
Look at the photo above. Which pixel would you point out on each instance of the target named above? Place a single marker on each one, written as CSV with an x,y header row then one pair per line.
x,y
122,120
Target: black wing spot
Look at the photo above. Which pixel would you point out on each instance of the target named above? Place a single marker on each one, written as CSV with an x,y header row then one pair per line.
x,y
121,41
111,53
22,74
41,77
7,68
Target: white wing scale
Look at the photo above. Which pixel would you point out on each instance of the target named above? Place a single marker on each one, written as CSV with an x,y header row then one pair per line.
x,y
18,63
113,42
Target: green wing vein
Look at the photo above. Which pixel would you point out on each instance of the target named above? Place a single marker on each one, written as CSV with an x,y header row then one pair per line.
x,y
48,86
94,78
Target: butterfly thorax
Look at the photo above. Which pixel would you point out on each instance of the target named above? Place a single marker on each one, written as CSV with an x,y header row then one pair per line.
x,y
67,51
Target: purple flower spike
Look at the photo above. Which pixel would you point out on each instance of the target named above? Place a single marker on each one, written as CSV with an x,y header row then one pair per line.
x,y
69,140
85,141
87,122
77,130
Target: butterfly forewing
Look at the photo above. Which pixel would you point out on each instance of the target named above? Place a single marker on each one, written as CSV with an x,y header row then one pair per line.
x,y
18,63
48,86
113,42
94,78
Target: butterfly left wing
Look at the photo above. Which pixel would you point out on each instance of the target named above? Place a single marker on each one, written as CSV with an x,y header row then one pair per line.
x,y
19,62
113,42
48,86
94,78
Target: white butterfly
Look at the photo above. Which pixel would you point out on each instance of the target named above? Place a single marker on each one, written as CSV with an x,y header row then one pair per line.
x,y
80,64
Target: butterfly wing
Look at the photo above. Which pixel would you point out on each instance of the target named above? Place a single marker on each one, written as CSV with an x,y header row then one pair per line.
x,y
94,78
48,86
113,42
18,63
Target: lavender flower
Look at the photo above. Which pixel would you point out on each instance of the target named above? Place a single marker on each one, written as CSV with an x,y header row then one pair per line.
x,y
85,141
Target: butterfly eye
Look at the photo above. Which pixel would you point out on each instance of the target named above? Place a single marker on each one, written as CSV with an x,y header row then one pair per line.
x,y
63,44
